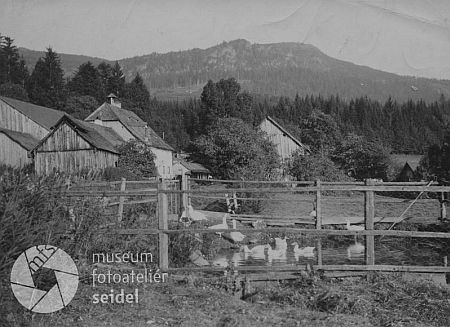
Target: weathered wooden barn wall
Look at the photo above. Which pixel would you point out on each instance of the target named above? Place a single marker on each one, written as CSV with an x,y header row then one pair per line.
x,y
63,139
73,161
64,150
12,153
14,120
285,146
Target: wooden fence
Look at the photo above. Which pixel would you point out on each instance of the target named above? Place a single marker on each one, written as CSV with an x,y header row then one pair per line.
x,y
369,187
173,196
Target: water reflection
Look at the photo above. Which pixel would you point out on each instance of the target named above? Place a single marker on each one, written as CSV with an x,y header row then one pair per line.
x,y
335,250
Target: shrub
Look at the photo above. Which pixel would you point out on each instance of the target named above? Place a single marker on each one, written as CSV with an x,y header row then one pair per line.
x,y
233,149
312,167
33,212
138,158
364,159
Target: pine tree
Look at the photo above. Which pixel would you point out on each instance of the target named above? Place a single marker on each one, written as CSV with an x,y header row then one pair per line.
x,y
86,82
46,85
116,82
12,67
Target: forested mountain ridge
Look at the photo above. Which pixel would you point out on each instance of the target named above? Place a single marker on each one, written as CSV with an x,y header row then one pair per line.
x,y
279,69
69,62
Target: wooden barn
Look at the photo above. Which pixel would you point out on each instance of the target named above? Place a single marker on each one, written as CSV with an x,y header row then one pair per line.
x,y
15,147
129,127
25,117
406,174
410,163
286,144
73,145
22,125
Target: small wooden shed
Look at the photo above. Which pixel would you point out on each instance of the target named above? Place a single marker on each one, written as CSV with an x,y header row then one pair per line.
x,y
195,170
15,147
286,144
73,145
406,174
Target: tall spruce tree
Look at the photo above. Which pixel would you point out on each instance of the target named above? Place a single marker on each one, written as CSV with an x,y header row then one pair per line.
x,y
46,85
12,66
116,82
86,82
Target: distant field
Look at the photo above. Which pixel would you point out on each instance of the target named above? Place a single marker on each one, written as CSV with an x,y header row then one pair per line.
x,y
338,208
335,209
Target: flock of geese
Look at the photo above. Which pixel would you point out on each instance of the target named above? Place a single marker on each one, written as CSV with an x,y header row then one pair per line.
x,y
267,252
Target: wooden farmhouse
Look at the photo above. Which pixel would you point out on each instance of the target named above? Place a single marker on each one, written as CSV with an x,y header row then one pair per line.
x,y
22,125
193,169
129,127
286,144
73,145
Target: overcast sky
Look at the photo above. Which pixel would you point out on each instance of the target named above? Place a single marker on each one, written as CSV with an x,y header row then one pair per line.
x,y
409,37
114,29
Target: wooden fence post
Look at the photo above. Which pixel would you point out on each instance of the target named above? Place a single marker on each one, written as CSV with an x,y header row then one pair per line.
x,y
369,214
163,218
123,186
318,206
184,195
443,207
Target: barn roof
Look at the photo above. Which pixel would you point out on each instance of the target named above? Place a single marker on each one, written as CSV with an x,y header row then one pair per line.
x,y
100,137
44,116
413,160
27,141
193,166
132,122
292,137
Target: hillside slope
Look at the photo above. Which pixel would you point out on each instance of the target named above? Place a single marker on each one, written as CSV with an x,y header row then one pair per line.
x,y
279,69
276,69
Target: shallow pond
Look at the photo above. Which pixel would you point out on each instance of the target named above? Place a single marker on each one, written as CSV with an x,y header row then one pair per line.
x,y
335,251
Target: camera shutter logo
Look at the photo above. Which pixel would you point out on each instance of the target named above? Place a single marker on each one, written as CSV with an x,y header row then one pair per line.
x,y
44,279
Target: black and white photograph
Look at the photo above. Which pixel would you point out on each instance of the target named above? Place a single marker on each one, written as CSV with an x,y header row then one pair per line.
x,y
224,163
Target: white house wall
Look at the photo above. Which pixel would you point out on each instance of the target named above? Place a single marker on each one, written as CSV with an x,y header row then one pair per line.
x,y
163,162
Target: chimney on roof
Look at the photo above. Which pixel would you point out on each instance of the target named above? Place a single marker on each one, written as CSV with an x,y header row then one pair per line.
x,y
113,100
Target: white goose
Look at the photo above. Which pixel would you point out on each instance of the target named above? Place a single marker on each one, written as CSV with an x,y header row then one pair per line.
x,y
257,252
192,214
223,225
307,251
355,249
280,243
233,236
276,254
353,227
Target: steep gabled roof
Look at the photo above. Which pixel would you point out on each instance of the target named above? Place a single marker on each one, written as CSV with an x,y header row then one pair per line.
x,y
193,166
99,137
27,141
281,128
44,116
135,125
